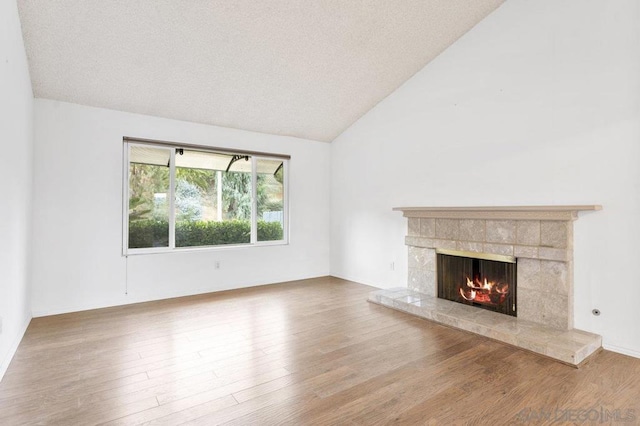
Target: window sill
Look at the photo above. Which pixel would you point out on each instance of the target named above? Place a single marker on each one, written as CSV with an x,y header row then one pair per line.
x,y
165,250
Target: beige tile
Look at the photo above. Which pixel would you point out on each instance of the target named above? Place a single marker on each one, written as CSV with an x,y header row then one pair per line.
x,y
515,326
562,354
530,305
429,283
447,229
543,308
503,249
416,279
586,351
542,333
421,281
554,277
555,311
525,251
476,247
462,311
563,346
400,292
430,264
445,244
508,338
446,319
528,275
490,319
411,308
474,327
428,227
533,345
374,297
406,299
554,254
443,306
528,232
385,300
501,231
418,257
582,337
426,302
554,233
472,230
413,227
419,242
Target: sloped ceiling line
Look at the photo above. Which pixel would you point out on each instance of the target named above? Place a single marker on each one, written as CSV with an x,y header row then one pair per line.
x,y
295,68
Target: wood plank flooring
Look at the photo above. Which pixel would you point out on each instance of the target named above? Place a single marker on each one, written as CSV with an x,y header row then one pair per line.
x,y
311,352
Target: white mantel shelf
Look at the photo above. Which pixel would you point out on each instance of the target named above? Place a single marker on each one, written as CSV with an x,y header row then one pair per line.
x,y
499,212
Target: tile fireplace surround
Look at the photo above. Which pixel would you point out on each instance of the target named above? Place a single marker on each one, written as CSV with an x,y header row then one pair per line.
x,y
540,237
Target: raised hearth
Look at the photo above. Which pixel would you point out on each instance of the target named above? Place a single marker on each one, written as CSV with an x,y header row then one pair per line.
x,y
568,346
540,238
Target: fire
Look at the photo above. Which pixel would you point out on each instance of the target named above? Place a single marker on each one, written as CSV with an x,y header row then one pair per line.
x,y
484,291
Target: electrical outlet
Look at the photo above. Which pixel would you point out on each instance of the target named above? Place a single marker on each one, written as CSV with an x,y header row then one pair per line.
x,y
216,264
393,266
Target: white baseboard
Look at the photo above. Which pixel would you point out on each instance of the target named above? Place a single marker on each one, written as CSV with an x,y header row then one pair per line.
x,y
125,300
621,350
13,348
364,282
128,300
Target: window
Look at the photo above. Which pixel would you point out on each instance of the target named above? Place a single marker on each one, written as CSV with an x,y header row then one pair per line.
x,y
180,196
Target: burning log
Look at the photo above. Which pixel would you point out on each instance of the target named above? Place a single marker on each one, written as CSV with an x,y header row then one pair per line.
x,y
484,291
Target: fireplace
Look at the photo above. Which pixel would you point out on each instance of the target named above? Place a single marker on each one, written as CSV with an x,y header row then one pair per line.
x,y
485,280
453,250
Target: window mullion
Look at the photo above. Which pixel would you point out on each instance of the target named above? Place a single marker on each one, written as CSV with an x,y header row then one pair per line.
x,y
125,198
285,204
172,199
254,201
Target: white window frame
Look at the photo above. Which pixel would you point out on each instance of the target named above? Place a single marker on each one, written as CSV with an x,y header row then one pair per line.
x,y
171,146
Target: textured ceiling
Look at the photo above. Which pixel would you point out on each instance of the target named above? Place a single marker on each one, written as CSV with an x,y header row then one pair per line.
x,y
300,68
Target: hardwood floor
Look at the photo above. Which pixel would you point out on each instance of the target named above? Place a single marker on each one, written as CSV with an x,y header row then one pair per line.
x,y
308,352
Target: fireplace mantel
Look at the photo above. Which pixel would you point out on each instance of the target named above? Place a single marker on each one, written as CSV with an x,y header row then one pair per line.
x,y
500,213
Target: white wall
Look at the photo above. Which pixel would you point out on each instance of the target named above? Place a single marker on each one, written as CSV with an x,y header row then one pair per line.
x,y
537,105
77,262
16,144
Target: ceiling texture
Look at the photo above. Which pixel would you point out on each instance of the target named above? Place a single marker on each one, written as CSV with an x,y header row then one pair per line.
x,y
299,68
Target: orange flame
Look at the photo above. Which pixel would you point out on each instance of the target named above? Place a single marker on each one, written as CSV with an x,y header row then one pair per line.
x,y
484,291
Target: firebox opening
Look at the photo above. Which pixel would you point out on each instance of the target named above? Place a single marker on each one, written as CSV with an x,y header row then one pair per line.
x,y
484,280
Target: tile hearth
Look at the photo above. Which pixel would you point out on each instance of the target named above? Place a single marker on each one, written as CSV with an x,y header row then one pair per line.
x,y
568,346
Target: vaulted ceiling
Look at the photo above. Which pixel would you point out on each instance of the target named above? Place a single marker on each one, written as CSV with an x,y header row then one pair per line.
x,y
290,67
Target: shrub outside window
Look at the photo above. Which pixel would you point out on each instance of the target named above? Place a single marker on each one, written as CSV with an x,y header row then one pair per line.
x,y
186,197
